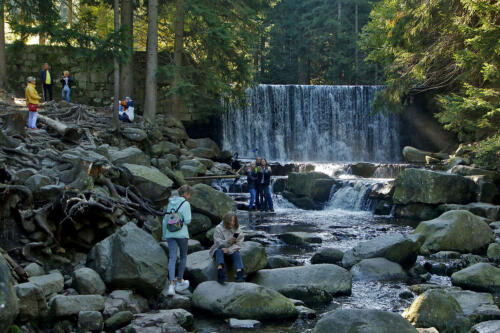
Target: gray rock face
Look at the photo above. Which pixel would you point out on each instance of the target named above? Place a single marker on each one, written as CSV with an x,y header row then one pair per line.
x,y
134,134
436,308
394,247
32,302
87,282
124,300
200,267
477,306
323,278
130,258
300,238
118,320
90,321
456,230
301,183
210,202
34,269
377,269
199,223
51,283
150,182
494,251
327,255
414,155
131,155
63,306
369,321
8,297
482,209
162,321
165,147
243,301
491,326
479,277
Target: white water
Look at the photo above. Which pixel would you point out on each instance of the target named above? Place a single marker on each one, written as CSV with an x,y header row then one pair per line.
x,y
312,123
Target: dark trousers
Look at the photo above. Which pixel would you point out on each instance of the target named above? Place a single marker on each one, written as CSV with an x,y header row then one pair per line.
x,y
266,193
260,202
47,92
220,259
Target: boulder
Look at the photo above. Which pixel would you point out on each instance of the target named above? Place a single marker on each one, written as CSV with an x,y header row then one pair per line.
x,y
210,202
165,147
369,321
414,155
394,247
189,171
174,302
456,230
194,246
87,282
118,320
363,169
298,238
200,267
465,170
199,224
124,300
491,326
244,323
419,212
209,148
90,321
487,189
436,308
243,301
130,155
176,134
279,185
327,255
301,201
150,182
482,209
430,187
33,269
479,277
62,306
35,182
324,278
52,283
130,258
377,269
32,304
493,252
162,321
477,306
301,183
321,189
134,134
197,165
280,261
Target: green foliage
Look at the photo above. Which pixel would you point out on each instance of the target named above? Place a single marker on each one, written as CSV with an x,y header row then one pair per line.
x,y
487,152
14,329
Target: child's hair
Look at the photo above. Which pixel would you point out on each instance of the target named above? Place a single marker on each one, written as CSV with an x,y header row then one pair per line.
x,y
66,72
185,189
228,218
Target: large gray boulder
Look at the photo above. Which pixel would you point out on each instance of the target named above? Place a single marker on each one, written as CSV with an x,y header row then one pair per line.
x,y
32,304
430,187
130,155
165,147
130,258
493,252
243,301
363,321
436,308
210,202
479,277
87,282
206,148
199,224
303,282
63,306
150,182
327,255
396,247
8,298
200,267
125,300
414,155
456,230
299,238
301,184
491,326
161,321
52,283
482,209
477,306
377,269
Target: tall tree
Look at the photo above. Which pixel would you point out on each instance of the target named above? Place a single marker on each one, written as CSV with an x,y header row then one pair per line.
x,y
151,62
3,64
127,68
116,65
178,54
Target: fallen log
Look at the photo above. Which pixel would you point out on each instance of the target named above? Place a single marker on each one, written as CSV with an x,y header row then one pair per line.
x,y
212,177
68,133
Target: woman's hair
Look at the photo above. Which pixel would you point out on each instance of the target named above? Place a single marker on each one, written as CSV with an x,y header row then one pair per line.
x,y
263,160
185,189
228,218
66,72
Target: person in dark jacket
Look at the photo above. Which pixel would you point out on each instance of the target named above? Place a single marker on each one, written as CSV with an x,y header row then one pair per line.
x,y
252,176
67,83
259,200
265,186
47,81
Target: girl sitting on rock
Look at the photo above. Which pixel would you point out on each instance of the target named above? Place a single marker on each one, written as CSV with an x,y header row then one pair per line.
x,y
177,237
228,239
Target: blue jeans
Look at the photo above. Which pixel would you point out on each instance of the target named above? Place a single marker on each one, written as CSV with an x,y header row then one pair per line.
x,y
173,245
253,193
269,198
66,92
235,257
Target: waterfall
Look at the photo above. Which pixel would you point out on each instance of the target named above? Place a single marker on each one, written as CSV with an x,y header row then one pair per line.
x,y
311,123
353,195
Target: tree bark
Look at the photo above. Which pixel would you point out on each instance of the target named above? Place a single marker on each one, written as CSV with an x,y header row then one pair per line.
x,y
116,74
151,61
3,63
67,132
178,52
127,69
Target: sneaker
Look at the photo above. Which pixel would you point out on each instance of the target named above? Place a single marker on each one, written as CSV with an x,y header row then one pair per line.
x,y
239,277
182,285
221,277
171,290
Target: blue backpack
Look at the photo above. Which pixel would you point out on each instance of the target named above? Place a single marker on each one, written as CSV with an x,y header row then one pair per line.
x,y
174,219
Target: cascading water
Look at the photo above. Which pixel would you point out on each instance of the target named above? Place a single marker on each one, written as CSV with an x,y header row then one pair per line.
x,y
312,123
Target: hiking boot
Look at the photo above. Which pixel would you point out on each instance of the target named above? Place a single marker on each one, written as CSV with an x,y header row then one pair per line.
x,y
181,285
239,276
221,277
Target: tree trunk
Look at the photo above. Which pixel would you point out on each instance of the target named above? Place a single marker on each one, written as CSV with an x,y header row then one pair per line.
x,y
151,61
70,12
178,51
356,22
116,73
127,69
41,39
67,132
3,64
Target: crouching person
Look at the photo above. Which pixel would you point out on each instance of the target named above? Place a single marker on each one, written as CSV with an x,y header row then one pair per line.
x,y
228,239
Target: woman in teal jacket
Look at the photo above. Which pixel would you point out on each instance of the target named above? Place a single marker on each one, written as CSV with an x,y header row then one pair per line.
x,y
178,239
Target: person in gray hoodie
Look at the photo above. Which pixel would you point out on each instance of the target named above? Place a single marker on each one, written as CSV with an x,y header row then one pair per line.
x,y
228,240
178,239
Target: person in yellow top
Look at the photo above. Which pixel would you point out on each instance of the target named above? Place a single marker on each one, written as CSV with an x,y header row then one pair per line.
x,y
32,101
47,82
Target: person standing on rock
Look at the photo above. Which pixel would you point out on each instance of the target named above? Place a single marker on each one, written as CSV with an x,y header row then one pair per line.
x,y
175,233
67,82
46,79
228,240
32,101
259,200
252,184
265,188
